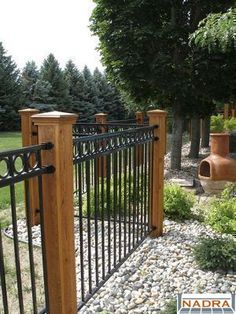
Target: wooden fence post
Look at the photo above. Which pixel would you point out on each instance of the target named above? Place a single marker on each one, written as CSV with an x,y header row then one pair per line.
x,y
139,117
226,111
102,161
30,137
56,127
233,112
158,117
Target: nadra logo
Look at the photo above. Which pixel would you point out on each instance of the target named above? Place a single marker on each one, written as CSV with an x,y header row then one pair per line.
x,y
206,303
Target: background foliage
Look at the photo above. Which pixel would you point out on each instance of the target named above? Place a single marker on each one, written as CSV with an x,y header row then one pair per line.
x,y
52,88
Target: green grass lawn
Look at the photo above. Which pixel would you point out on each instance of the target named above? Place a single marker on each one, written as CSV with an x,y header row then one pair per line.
x,y
9,141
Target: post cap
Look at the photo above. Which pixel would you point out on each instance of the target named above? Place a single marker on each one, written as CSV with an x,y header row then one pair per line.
x,y
54,117
28,111
139,113
156,112
100,114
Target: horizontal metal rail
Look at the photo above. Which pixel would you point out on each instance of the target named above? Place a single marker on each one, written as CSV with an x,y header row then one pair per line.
x,y
86,129
16,166
89,147
123,121
29,165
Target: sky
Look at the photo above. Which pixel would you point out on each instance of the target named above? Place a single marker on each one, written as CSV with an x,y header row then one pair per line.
x,y
30,30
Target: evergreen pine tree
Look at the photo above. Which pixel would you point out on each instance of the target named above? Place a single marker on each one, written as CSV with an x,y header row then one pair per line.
x,y
100,87
29,77
74,81
109,99
88,103
10,93
58,93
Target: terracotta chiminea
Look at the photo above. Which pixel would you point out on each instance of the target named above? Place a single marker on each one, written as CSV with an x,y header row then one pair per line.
x,y
218,168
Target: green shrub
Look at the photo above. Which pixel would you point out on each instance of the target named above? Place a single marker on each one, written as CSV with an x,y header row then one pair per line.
x,y
170,307
222,212
177,202
105,203
216,254
108,202
230,124
219,124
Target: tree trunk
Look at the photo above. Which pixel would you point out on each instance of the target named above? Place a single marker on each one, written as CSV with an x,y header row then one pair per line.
x,y
195,139
205,132
176,144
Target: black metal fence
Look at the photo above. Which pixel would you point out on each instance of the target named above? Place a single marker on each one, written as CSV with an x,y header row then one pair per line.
x,y
86,129
112,202
22,265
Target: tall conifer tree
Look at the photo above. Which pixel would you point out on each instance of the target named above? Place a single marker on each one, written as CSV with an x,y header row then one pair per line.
x,y
10,92
58,94
29,77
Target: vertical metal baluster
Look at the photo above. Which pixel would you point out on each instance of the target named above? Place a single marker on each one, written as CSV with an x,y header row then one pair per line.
x,y
150,166
137,189
120,209
108,202
87,169
142,191
42,228
16,241
75,148
96,204
30,246
2,276
125,200
81,232
146,190
134,193
82,148
102,224
92,172
129,195
114,205
29,231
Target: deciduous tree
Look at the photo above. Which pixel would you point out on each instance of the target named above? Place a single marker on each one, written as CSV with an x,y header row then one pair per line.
x,y
144,47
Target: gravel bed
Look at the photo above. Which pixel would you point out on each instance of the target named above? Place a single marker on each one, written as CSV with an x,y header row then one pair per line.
x,y
160,268
156,272
189,165
108,235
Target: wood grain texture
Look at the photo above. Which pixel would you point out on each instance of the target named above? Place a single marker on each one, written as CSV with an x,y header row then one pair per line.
x,y
157,117
58,211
